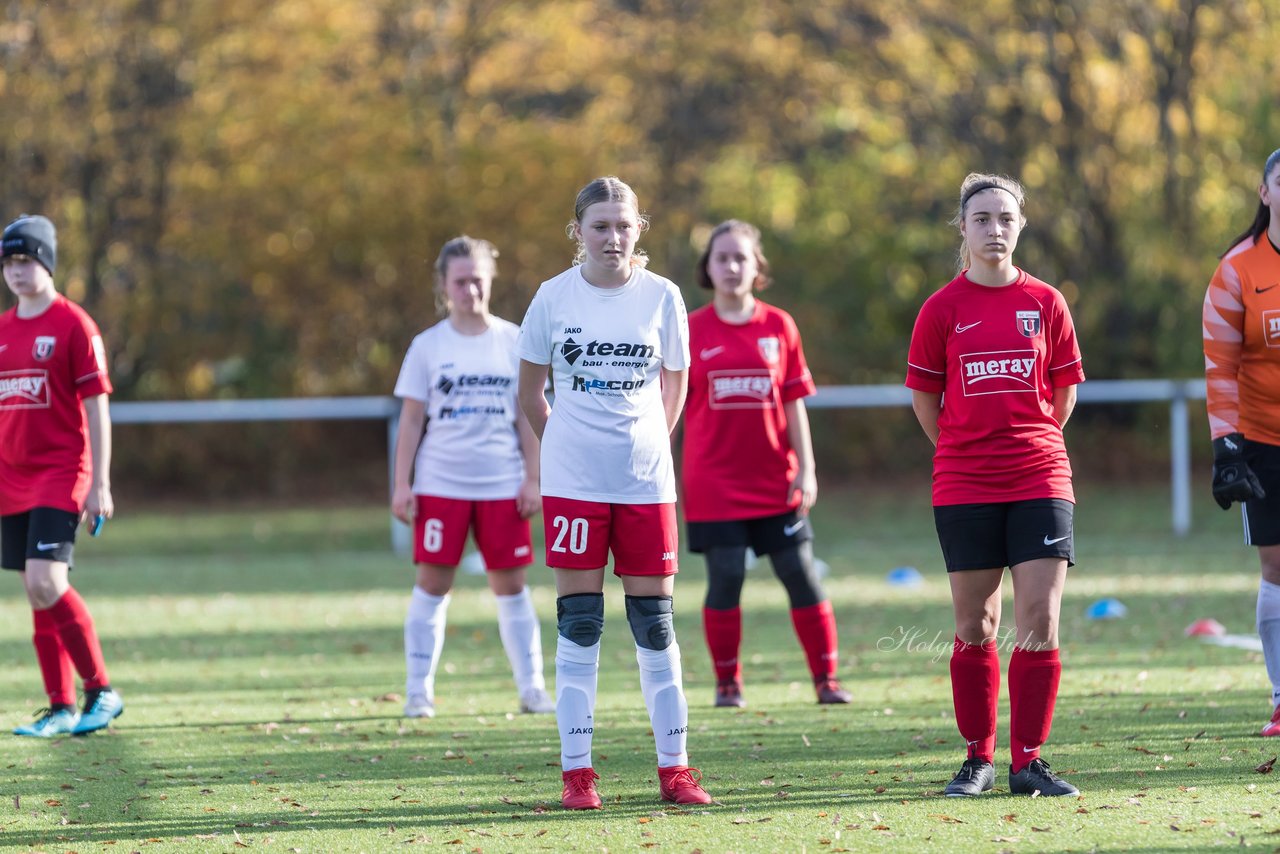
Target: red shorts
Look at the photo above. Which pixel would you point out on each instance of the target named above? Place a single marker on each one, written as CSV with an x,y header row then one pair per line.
x,y
644,538
440,528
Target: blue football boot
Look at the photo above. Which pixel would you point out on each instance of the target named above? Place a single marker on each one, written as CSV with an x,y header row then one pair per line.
x,y
51,722
100,708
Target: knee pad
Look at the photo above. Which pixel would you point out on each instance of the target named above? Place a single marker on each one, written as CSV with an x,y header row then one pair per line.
x,y
726,572
652,621
580,617
794,568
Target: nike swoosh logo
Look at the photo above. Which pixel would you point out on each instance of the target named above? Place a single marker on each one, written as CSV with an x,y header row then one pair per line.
x,y
791,529
966,327
44,547
1049,542
712,352
1263,290
1030,749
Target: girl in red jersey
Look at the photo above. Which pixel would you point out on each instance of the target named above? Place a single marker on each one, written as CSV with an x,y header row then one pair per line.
x,y
1001,347
473,468
614,339
55,471
747,386
1242,370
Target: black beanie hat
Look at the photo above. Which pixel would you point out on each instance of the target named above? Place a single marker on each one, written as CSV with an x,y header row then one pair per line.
x,y
34,236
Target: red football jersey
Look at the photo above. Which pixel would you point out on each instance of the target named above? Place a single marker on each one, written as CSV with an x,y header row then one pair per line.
x,y
996,354
48,364
738,460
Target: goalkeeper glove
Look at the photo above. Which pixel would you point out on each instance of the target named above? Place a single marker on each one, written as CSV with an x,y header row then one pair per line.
x,y
1232,479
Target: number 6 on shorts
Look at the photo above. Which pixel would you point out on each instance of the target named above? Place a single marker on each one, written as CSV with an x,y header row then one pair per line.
x,y
433,535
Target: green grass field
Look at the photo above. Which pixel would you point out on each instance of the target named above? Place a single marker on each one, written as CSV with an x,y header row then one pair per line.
x,y
259,654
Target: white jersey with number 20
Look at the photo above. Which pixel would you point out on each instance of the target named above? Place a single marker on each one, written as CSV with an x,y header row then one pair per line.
x,y
607,437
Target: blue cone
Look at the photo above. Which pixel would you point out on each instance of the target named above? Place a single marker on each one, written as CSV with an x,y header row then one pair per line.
x,y
904,576
1106,609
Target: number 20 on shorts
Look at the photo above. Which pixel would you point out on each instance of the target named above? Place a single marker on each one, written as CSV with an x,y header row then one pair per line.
x,y
573,530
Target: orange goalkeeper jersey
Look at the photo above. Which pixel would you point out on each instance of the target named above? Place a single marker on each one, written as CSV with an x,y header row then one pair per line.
x,y
1242,343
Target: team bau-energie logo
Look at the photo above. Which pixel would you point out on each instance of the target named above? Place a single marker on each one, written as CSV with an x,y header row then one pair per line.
x,y
623,355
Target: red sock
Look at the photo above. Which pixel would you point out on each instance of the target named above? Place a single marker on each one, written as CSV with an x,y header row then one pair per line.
x,y
75,628
55,664
975,691
723,629
1033,689
816,628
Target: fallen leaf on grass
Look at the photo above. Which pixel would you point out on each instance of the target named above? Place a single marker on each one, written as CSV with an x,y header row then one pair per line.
x,y
1007,839
752,820
1011,817
1041,829
946,818
53,802
1265,767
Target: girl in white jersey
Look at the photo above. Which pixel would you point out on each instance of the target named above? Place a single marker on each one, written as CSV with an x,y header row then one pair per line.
x,y
614,339
476,468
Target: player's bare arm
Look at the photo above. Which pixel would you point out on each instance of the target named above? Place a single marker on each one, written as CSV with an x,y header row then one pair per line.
x,y
532,395
98,416
413,416
1064,403
806,480
927,406
529,499
675,386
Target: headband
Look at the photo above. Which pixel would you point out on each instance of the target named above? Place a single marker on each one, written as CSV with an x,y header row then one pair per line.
x,y
1271,164
989,185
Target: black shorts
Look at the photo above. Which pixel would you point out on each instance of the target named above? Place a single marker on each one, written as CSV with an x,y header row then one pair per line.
x,y
41,533
765,535
1262,515
987,536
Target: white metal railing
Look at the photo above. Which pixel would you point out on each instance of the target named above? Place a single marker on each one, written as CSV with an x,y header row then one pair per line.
x,y
1175,392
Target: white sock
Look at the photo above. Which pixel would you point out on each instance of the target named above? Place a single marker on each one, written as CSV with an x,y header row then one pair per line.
x,y
577,668
1269,631
423,640
522,639
660,681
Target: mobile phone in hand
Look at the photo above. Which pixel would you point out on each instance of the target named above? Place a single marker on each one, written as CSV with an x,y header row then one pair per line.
x,y
95,527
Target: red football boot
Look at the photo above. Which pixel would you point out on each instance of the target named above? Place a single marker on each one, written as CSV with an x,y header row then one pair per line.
x,y
680,785
580,790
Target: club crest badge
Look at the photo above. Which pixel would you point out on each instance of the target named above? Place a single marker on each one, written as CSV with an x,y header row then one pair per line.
x,y
1029,323
769,349
42,350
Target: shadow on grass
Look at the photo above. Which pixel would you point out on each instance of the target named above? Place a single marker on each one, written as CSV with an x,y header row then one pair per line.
x,y
499,779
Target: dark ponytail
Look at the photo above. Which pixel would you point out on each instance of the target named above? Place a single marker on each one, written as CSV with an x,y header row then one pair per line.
x,y
1261,219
